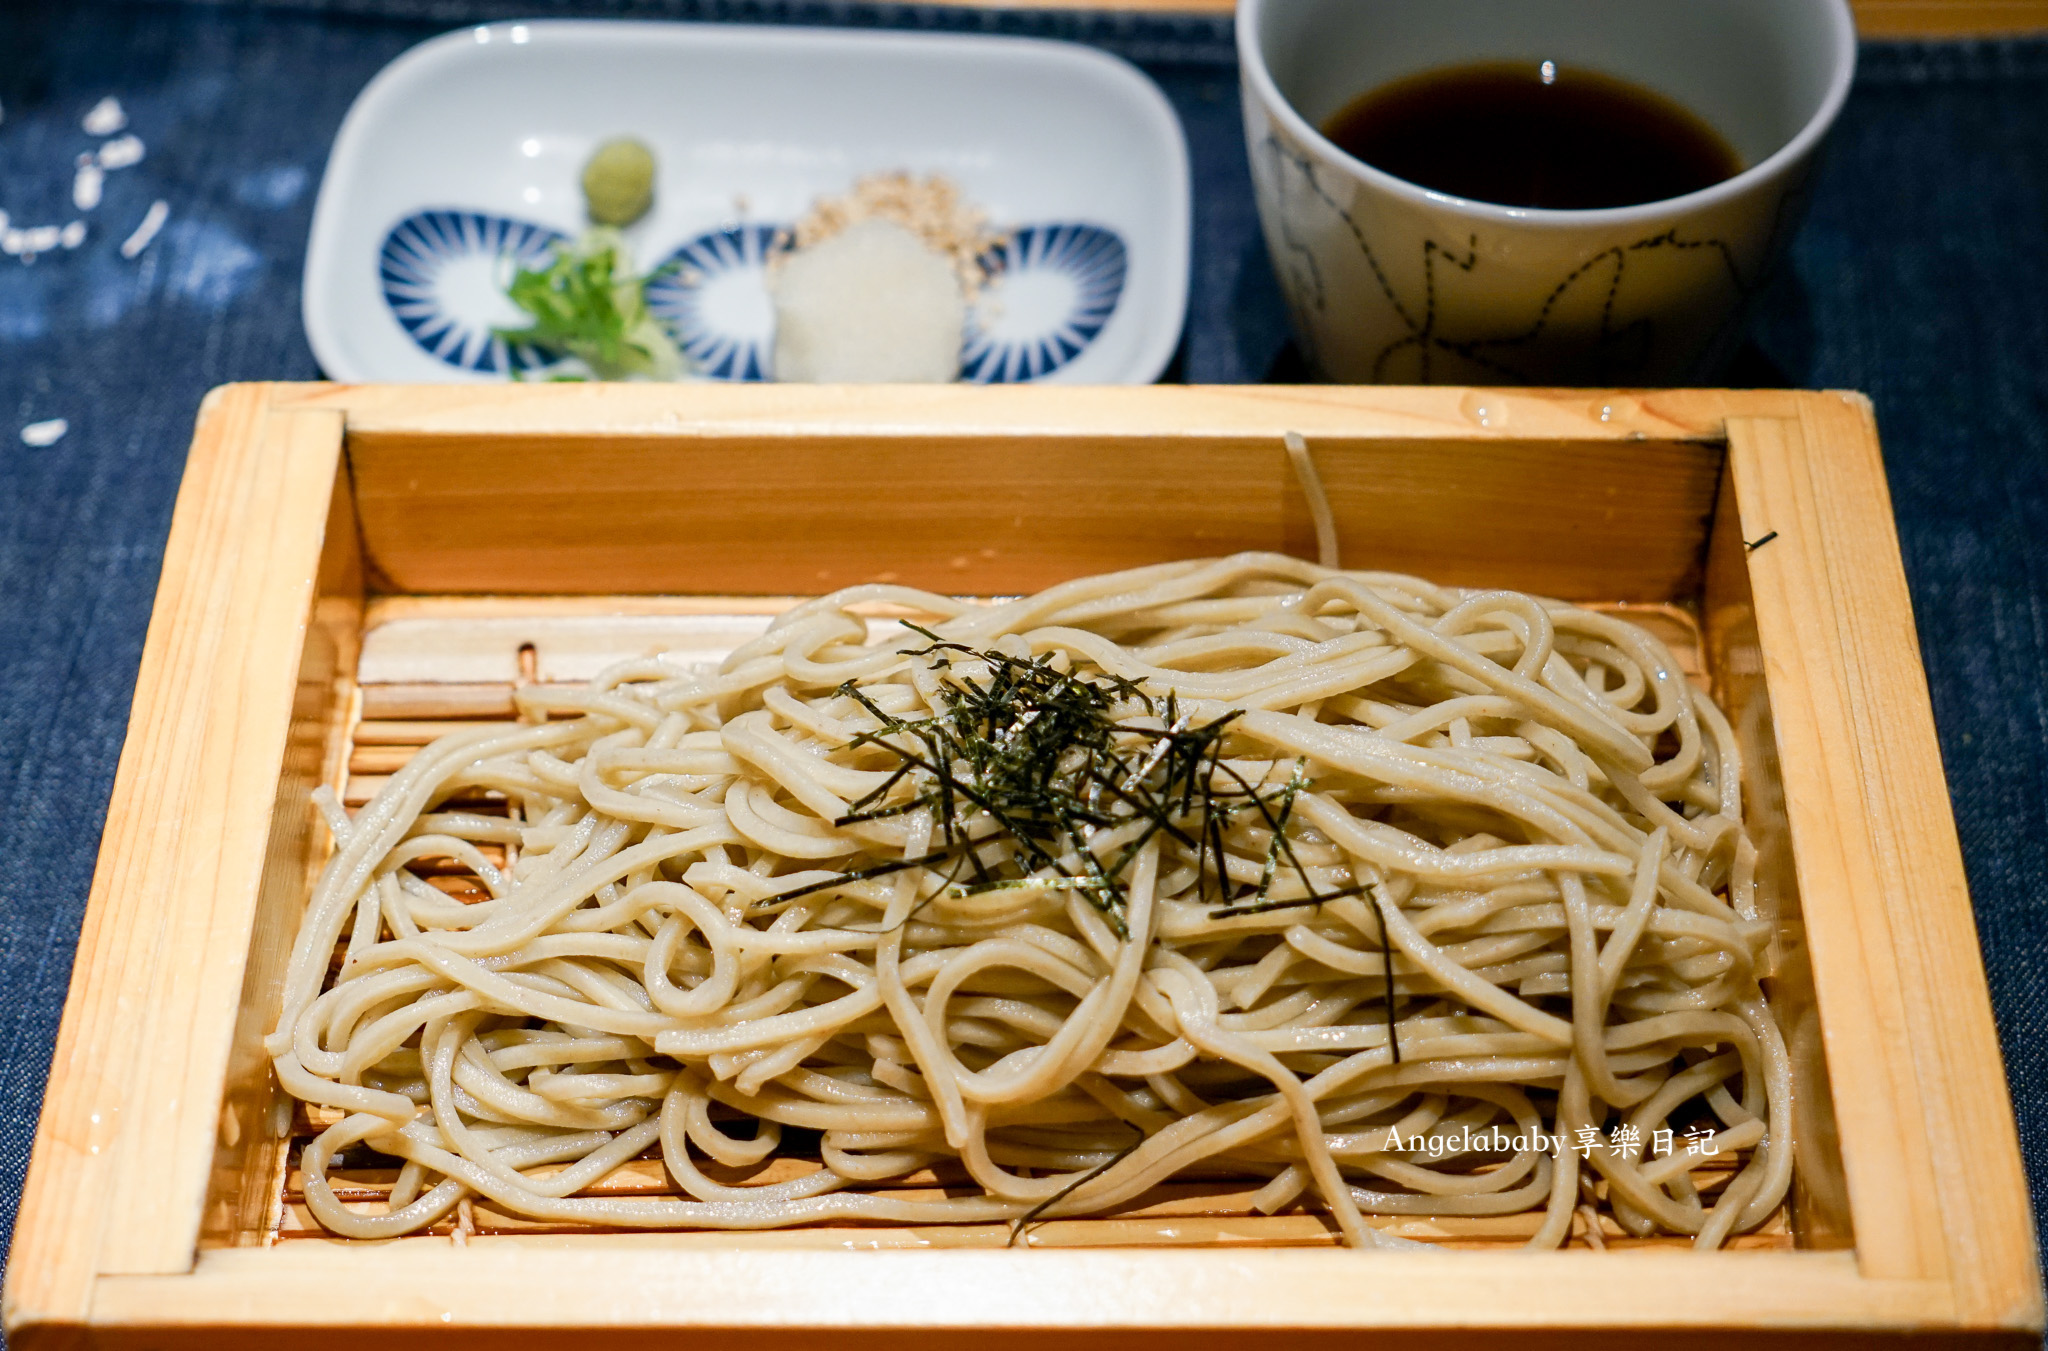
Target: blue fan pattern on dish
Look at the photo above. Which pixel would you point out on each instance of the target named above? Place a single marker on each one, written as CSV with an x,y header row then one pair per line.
x,y
443,273
712,296
1053,288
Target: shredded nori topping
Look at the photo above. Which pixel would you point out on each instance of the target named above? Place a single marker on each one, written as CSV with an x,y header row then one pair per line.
x,y
1048,757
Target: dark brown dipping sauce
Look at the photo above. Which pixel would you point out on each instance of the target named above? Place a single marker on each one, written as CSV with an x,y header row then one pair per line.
x,y
1533,134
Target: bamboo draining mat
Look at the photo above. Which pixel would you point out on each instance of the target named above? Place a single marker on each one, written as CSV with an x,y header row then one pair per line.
x,y
393,719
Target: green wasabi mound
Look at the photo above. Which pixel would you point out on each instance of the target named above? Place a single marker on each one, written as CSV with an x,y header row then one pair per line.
x,y
618,181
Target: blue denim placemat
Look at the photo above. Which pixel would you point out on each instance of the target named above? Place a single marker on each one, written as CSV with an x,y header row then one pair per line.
x,y
1922,277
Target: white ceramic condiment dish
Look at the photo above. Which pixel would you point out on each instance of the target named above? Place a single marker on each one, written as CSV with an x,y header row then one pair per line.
x,y
465,153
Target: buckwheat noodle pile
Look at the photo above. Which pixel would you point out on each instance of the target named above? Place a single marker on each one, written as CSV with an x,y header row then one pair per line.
x,y
1240,867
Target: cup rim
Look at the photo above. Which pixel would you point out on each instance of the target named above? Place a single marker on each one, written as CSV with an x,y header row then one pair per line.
x,y
1252,62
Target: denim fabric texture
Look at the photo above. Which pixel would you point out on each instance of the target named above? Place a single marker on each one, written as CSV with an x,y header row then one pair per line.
x,y
1921,277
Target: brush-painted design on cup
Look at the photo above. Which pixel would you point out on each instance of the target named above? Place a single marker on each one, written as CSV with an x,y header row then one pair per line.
x,y
1614,351
1389,281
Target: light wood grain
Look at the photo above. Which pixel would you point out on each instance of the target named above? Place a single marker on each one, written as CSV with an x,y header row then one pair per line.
x,y
178,954
1874,18
971,506
1735,656
1856,969
742,416
250,1151
1938,1188
155,993
1950,18
199,903
428,700
778,1295
652,488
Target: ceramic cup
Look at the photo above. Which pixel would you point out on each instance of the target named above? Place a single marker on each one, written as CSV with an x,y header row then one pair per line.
x,y
1391,282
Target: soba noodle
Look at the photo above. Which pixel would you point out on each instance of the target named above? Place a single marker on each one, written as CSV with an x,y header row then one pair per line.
x,y
1410,900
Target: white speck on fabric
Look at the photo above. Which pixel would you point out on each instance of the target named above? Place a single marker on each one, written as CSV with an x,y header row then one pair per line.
x,y
105,118
28,242
87,184
152,221
48,433
121,152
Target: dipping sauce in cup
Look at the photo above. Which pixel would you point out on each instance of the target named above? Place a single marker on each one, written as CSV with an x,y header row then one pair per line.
x,y
1533,191
1531,134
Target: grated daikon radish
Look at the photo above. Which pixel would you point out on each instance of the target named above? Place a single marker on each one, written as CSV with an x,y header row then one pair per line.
x,y
871,304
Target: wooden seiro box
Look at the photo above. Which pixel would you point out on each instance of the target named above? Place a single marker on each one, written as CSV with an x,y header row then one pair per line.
x,y
349,569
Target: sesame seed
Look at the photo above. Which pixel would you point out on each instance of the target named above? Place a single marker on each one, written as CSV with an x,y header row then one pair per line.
x,y
930,208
